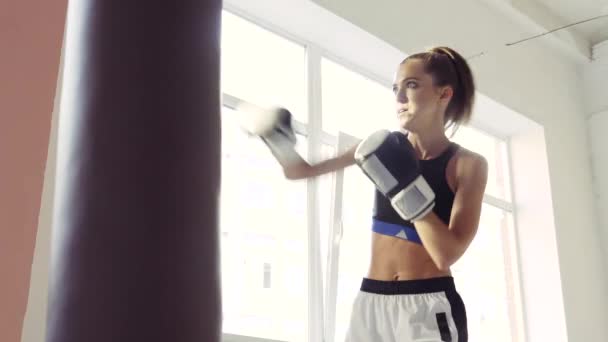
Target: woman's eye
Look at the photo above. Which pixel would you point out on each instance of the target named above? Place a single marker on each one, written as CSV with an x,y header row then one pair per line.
x,y
411,85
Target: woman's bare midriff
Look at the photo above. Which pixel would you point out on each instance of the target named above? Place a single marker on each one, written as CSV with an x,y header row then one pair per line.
x,y
397,259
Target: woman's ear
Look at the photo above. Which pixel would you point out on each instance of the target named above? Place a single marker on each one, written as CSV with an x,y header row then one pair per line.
x,y
446,93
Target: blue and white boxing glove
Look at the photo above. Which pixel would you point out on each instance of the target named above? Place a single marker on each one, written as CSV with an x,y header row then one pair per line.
x,y
393,167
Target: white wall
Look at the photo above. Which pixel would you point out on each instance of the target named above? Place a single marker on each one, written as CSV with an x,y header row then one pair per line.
x,y
596,80
596,77
598,131
534,81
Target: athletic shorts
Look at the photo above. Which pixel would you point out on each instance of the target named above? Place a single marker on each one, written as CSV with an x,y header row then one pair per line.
x,y
426,310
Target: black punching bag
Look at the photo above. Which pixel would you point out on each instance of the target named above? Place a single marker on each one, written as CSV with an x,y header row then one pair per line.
x,y
135,254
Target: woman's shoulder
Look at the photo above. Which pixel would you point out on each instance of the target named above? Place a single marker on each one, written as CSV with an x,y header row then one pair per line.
x,y
467,156
470,164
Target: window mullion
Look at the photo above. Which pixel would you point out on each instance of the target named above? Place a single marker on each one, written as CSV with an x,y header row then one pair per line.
x,y
335,237
519,302
315,275
497,202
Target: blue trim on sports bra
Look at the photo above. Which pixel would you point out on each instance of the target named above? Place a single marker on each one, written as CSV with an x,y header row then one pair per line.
x,y
396,230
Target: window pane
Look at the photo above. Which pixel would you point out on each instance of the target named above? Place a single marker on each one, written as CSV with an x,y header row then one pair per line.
x,y
355,247
263,240
354,104
495,151
261,67
483,278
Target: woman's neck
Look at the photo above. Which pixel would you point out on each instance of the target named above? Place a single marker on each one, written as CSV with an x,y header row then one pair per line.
x,y
429,145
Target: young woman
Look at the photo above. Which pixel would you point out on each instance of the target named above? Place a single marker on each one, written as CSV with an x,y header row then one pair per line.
x,y
409,293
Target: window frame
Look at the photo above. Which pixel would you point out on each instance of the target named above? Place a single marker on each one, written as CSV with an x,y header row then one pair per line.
x,y
321,314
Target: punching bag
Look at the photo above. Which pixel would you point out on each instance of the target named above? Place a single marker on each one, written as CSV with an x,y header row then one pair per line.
x,y
135,247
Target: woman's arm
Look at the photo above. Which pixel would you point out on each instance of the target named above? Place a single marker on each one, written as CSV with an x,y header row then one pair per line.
x,y
274,127
300,168
447,243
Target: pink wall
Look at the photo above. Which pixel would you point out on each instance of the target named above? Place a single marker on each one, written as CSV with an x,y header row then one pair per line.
x,y
31,34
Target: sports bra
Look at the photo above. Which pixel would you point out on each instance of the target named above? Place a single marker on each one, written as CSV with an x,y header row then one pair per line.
x,y
386,221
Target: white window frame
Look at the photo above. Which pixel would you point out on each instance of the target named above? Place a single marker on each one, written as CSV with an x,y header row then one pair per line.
x,y
322,304
334,240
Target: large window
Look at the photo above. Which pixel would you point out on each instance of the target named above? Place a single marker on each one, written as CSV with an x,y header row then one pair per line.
x,y
353,103
275,231
495,151
261,67
483,277
263,226
355,245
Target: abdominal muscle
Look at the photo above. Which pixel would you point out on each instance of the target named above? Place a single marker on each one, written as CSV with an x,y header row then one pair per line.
x,y
397,259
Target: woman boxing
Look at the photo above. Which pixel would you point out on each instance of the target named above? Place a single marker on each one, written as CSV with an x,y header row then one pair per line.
x,y
427,203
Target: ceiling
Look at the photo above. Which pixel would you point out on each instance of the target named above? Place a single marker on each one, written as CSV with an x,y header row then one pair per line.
x,y
543,16
572,11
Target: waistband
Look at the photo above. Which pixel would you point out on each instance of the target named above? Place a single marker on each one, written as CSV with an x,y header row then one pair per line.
x,y
417,286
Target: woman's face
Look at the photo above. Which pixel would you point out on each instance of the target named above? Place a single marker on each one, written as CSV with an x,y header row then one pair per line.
x,y
419,103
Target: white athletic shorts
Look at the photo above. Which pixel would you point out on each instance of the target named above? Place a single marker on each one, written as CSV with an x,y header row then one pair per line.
x,y
428,310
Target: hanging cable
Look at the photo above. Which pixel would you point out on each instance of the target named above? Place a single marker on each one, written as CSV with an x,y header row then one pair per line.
x,y
543,34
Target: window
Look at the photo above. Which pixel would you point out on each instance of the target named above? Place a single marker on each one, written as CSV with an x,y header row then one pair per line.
x,y
263,241
483,278
261,67
355,246
352,103
265,219
495,151
484,275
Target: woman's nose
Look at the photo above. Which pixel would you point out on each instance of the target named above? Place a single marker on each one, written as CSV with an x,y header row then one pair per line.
x,y
401,96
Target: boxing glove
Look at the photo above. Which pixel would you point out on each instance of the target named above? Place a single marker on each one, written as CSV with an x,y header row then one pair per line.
x,y
274,127
393,167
